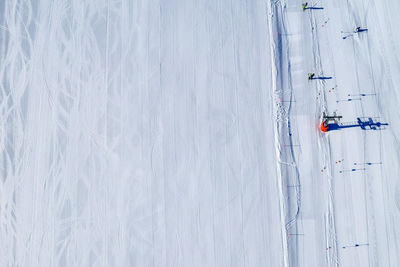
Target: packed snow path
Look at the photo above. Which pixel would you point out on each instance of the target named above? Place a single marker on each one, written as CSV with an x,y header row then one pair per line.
x,y
184,133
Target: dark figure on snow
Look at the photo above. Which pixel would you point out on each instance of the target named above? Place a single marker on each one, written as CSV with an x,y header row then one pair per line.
x,y
359,29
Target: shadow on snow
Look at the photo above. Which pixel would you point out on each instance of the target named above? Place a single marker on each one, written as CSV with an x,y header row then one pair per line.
x,y
313,8
364,125
320,78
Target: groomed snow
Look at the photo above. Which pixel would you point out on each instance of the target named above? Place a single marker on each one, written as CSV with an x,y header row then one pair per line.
x,y
184,133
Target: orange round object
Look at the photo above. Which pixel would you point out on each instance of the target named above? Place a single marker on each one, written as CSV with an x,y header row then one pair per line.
x,y
323,128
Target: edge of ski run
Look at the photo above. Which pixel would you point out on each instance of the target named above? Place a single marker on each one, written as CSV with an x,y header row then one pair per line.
x,y
273,10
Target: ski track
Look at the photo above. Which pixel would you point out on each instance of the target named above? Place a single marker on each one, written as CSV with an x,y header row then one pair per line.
x,y
137,133
184,133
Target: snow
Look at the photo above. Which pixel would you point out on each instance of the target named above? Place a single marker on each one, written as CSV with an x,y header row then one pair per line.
x,y
185,133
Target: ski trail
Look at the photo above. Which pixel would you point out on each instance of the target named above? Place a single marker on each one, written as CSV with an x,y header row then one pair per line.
x,y
286,164
272,10
324,146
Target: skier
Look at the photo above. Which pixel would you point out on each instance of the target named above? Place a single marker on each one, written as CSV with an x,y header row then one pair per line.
x,y
311,76
304,6
323,127
359,29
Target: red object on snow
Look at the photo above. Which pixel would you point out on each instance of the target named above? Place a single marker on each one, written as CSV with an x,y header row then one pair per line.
x,y
323,128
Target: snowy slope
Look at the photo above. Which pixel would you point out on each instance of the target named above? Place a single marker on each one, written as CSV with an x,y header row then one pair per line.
x,y
137,133
184,133
347,210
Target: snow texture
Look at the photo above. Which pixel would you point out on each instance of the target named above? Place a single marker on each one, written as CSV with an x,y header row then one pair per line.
x,y
185,133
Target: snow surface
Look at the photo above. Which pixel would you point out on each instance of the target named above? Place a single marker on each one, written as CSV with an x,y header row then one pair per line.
x,y
184,133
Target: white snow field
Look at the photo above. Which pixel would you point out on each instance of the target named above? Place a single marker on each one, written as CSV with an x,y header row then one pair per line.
x,y
185,133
